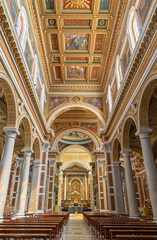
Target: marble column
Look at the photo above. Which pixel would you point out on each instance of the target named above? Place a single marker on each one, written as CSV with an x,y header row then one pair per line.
x,y
33,203
86,186
5,165
119,200
65,187
42,205
24,183
51,193
133,206
149,162
109,176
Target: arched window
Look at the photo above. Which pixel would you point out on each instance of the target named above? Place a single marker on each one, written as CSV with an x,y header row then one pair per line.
x,y
133,28
22,27
109,98
118,72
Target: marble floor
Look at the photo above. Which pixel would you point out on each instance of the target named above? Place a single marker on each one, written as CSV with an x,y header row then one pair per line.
x,y
77,229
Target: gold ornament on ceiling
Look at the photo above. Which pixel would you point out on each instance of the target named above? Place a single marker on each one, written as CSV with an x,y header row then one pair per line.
x,y
77,4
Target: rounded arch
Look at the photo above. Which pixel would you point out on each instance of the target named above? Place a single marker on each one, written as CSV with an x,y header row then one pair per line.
x,y
65,165
75,178
88,133
10,99
22,26
116,149
126,130
27,129
37,148
63,108
75,146
145,100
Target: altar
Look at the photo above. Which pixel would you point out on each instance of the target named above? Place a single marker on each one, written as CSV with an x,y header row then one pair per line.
x,y
71,209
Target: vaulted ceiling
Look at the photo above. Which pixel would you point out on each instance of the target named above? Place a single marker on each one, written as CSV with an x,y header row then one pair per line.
x,y
77,37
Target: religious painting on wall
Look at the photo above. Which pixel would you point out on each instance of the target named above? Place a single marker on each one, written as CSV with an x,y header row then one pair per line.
x,y
12,6
38,88
59,126
56,101
76,41
95,101
89,146
114,89
125,57
77,5
91,126
61,146
75,191
76,72
28,55
143,9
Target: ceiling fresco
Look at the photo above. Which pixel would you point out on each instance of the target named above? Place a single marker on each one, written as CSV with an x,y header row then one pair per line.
x,y
76,34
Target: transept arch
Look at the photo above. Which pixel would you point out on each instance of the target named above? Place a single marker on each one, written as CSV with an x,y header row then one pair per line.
x,y
63,108
147,92
75,146
10,100
28,132
70,130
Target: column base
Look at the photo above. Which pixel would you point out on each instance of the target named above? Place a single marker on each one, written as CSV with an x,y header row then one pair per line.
x,y
135,216
19,215
155,220
1,219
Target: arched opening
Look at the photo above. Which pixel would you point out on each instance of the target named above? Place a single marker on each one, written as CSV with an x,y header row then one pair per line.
x,y
131,141
119,179
75,177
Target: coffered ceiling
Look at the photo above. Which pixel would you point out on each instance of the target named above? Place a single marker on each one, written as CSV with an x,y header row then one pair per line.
x,y
76,38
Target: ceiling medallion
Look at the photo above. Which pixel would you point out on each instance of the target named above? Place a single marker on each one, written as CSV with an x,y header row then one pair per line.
x,y
77,4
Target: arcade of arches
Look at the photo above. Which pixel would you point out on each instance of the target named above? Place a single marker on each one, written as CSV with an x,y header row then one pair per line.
x,y
78,106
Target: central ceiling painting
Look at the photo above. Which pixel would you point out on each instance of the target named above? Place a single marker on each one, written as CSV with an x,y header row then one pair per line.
x,y
76,34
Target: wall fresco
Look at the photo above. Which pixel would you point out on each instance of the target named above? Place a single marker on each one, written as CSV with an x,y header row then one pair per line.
x,y
95,101
28,55
126,57
56,101
91,126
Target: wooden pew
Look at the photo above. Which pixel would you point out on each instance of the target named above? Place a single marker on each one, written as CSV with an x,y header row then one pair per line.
x,y
23,235
114,232
135,237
